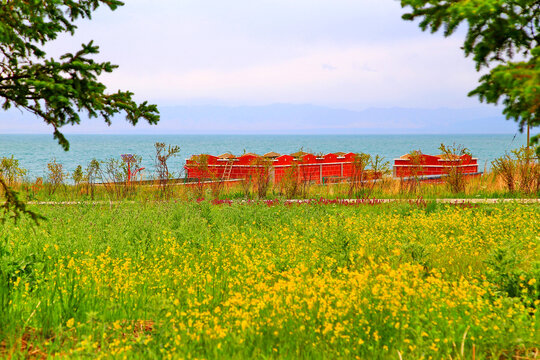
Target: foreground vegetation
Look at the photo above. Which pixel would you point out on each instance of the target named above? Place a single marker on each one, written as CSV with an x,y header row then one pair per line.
x,y
192,279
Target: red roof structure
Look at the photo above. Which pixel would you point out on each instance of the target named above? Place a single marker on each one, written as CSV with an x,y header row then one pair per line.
x,y
331,167
305,166
426,165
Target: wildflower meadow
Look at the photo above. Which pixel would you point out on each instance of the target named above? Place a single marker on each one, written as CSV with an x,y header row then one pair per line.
x,y
272,280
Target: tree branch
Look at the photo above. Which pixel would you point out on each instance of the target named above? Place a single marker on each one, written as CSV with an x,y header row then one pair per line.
x,y
14,206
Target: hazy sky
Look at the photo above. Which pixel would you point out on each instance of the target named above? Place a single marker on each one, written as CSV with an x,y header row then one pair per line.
x,y
343,53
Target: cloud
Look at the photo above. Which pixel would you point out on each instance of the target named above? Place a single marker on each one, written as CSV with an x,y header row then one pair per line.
x,y
328,67
240,52
404,74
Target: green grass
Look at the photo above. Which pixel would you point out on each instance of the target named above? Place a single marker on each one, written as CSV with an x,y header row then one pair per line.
x,y
196,280
485,187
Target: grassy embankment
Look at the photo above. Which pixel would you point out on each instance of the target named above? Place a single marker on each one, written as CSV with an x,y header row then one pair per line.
x,y
191,279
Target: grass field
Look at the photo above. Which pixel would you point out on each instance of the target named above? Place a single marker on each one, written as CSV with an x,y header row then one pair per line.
x,y
267,280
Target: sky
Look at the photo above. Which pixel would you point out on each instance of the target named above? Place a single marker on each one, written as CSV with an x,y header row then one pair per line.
x,y
278,66
352,54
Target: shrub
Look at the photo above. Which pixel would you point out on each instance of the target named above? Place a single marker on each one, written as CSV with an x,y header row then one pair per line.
x,y
519,170
246,185
290,183
412,183
357,180
10,170
77,175
381,170
203,172
454,155
262,176
113,174
528,168
505,168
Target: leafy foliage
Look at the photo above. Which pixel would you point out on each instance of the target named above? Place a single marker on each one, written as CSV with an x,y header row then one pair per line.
x,y
58,91
78,175
519,86
497,32
10,170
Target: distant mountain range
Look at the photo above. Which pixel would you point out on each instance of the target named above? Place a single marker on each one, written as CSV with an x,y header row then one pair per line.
x,y
287,119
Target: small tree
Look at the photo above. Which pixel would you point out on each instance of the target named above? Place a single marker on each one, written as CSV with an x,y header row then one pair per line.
x,y
37,185
113,177
131,165
307,177
203,173
302,173
55,176
453,154
10,170
261,176
380,169
290,184
163,153
412,184
92,173
358,176
115,174
77,175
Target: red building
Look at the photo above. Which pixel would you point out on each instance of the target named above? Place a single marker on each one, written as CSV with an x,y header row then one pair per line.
x,y
424,165
319,169
304,166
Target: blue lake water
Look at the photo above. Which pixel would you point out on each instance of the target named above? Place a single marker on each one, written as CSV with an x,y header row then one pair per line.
x,y
35,151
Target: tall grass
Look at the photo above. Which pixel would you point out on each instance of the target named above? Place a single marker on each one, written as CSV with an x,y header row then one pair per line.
x,y
487,186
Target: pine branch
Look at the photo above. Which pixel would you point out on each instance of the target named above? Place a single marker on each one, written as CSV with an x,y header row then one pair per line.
x,y
13,207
